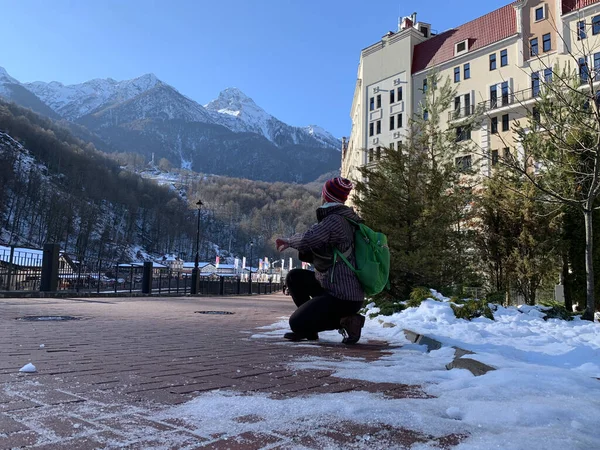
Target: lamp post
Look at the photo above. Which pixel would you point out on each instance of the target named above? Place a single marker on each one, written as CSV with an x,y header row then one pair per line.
x,y
250,268
195,270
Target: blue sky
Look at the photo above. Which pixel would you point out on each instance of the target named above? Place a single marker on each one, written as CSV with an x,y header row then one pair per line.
x,y
296,58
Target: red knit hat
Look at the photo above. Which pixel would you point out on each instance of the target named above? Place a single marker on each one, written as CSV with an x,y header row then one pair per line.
x,y
337,189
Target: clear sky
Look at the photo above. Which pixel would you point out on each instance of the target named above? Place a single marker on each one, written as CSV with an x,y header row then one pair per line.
x,y
296,58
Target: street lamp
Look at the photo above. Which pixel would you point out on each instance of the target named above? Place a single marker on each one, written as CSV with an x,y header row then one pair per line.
x,y
195,270
250,268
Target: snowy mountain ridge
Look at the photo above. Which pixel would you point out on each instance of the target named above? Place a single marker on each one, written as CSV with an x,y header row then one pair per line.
x,y
238,112
77,100
232,108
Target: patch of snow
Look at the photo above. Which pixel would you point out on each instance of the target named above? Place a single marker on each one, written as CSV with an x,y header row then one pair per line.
x,y
28,368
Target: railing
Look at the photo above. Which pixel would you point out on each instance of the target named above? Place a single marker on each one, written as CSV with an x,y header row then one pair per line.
x,y
461,113
23,271
508,99
20,270
503,100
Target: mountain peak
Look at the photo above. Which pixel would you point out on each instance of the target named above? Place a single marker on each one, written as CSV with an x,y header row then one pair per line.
x,y
5,77
234,102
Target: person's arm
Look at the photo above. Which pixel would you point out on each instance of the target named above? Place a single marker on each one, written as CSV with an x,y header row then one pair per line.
x,y
326,232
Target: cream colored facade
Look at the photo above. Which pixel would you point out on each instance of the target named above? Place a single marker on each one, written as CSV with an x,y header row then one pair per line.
x,y
500,83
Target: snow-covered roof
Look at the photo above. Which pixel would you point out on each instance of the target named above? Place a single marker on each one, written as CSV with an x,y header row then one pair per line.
x,y
201,265
155,265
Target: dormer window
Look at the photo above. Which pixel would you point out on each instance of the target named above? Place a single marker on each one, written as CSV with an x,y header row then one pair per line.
x,y
461,47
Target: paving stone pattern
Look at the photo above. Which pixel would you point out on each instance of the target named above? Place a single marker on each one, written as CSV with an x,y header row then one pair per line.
x,y
102,378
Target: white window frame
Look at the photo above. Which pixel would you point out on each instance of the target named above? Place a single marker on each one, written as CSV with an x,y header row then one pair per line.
x,y
461,52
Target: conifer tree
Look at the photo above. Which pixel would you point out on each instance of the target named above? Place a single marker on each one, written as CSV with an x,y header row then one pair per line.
x,y
415,195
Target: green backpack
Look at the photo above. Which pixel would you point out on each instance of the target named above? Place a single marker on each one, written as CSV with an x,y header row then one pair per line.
x,y
372,258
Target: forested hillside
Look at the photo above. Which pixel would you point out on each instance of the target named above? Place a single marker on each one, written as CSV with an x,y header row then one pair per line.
x,y
57,188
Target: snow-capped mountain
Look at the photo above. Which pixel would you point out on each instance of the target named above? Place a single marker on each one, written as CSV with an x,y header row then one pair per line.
x,y
77,100
161,102
11,89
238,112
232,135
5,77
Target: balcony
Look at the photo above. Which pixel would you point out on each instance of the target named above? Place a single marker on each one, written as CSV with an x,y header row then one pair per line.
x,y
461,113
508,99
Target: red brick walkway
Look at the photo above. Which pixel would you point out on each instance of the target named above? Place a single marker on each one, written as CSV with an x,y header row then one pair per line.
x,y
102,379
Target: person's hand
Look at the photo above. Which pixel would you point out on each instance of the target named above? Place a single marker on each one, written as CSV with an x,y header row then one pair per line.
x,y
282,244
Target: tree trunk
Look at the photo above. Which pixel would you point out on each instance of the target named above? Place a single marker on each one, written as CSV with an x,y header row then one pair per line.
x,y
589,264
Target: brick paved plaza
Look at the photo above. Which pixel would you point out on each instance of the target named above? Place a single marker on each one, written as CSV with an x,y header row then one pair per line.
x,y
103,380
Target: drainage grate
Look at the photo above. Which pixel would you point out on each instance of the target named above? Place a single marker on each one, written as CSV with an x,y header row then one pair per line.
x,y
214,312
47,318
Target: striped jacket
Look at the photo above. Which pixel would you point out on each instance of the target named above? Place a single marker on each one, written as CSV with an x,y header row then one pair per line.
x,y
332,230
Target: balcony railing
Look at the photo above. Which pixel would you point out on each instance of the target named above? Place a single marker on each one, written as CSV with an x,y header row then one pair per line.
x,y
508,99
461,113
501,101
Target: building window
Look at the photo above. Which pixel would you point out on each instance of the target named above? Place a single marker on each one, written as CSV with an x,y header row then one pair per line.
x,y
457,107
581,34
463,163
378,101
424,85
461,46
583,70
467,71
371,128
596,66
400,94
493,96
463,133
493,61
372,104
596,25
494,125
505,122
539,13
504,58
370,155
536,117
546,42
494,157
399,124
506,153
548,75
378,154
535,84
392,122
533,47
379,127
399,145
392,96
456,74
468,111
425,115
504,91
391,146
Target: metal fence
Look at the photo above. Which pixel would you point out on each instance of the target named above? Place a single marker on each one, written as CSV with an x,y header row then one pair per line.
x,y
21,270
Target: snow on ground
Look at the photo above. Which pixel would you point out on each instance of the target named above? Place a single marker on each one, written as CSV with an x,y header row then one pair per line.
x,y
545,393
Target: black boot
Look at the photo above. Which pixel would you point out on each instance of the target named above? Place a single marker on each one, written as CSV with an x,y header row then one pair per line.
x,y
295,337
351,327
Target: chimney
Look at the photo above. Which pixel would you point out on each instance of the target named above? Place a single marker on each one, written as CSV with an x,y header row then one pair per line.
x,y
413,18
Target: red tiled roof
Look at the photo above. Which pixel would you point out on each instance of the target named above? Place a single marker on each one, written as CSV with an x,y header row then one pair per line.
x,y
572,5
481,32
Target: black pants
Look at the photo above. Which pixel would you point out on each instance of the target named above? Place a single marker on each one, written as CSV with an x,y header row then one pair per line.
x,y
317,310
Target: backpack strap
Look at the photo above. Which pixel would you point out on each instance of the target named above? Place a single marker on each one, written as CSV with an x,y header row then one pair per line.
x,y
344,255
